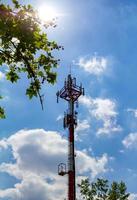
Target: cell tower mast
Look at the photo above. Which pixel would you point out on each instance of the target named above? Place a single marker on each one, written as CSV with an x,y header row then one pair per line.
x,y
70,92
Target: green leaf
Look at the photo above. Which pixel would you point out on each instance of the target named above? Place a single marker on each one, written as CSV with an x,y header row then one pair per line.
x,y
12,76
40,73
51,77
1,61
16,3
31,92
2,113
33,89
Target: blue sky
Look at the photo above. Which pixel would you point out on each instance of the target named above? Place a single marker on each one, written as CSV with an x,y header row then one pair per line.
x,y
100,42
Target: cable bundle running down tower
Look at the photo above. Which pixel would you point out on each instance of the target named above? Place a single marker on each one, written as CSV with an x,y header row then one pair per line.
x,y
70,92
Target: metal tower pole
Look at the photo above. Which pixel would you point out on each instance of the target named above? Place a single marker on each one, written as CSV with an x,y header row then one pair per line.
x,y
71,155
70,92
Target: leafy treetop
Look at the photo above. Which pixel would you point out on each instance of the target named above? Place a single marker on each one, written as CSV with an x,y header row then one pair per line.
x,y
25,48
100,190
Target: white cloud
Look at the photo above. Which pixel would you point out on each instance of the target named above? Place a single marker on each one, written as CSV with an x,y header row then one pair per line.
x,y
110,126
34,187
86,100
96,65
133,197
89,164
134,111
2,76
82,128
104,110
82,125
60,117
37,154
3,143
130,141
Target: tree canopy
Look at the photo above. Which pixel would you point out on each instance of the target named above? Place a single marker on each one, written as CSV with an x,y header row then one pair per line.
x,y
101,190
25,48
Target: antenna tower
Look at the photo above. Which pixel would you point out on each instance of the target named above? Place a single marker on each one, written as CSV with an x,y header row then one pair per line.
x,y
70,92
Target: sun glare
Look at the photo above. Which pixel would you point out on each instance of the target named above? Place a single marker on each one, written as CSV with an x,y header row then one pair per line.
x,y
47,13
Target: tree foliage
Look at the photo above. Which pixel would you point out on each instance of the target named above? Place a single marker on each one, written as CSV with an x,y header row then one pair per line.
x,y
101,190
2,114
25,48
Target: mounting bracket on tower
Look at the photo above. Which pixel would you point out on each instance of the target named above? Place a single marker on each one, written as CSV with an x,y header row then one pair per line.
x,y
68,120
62,169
